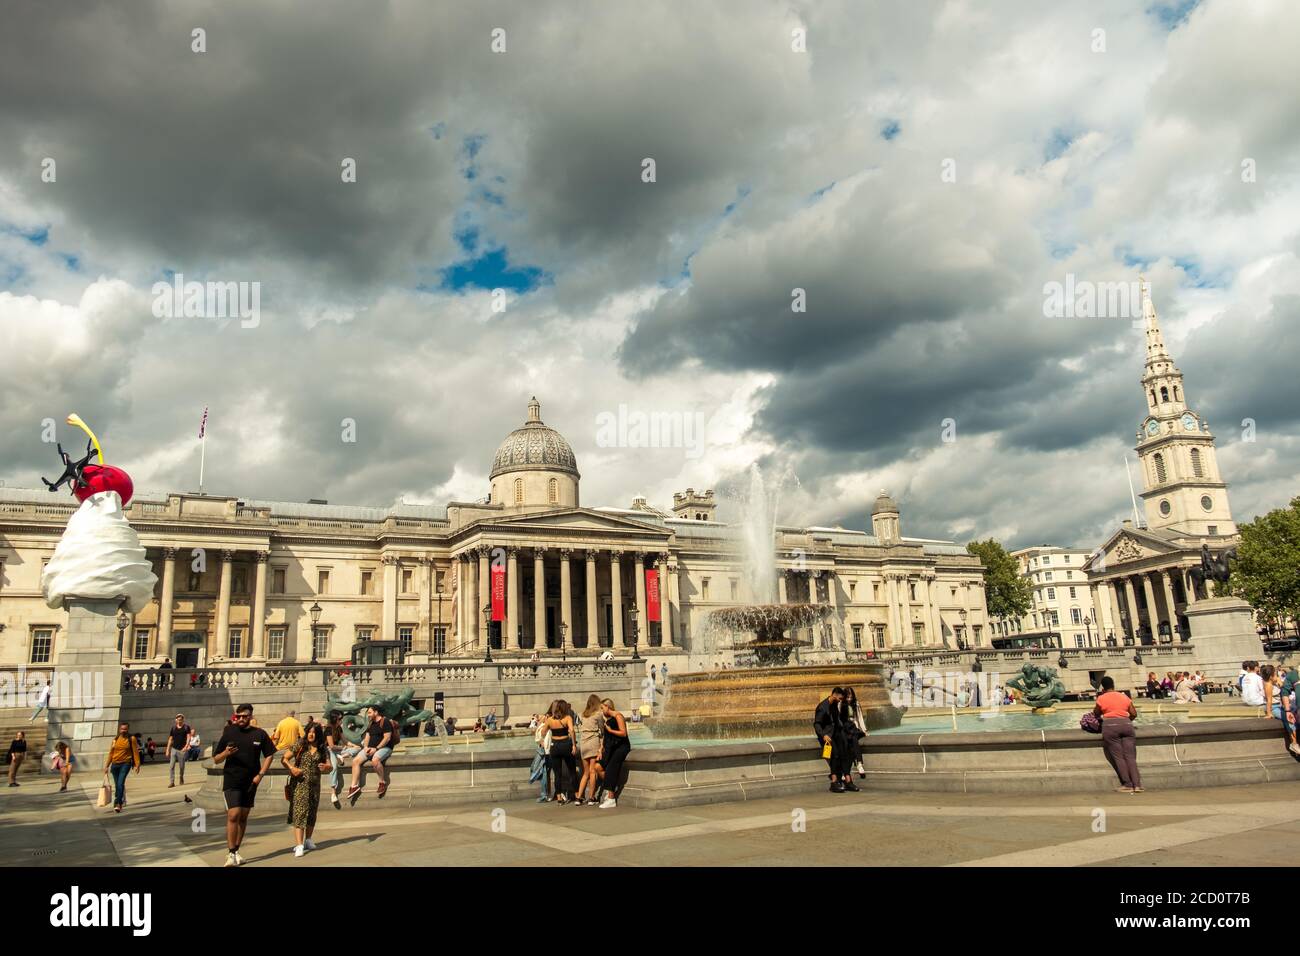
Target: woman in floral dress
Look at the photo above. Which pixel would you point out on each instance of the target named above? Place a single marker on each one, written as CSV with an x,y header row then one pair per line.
x,y
305,763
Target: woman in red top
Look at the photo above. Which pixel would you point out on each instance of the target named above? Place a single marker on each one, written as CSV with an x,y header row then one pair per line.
x,y
1117,714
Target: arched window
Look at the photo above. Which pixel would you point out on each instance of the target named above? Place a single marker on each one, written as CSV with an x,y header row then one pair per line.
x,y
1160,468
1164,394
1176,398
553,491
1153,397
519,491
1197,469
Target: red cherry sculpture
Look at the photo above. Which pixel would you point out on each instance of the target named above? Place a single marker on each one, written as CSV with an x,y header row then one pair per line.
x,y
104,478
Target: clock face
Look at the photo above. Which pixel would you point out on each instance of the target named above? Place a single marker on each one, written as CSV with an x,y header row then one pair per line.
x,y
1153,426
1189,423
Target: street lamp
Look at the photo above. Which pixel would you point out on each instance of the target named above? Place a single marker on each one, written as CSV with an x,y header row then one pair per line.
x,y
123,622
1087,625
961,642
487,632
314,611
631,613
564,644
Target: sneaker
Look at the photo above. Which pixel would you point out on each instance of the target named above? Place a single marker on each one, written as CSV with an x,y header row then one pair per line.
x,y
299,850
1123,789
354,793
232,859
334,799
309,843
1295,749
170,785
837,787
239,860
850,785
609,803
543,799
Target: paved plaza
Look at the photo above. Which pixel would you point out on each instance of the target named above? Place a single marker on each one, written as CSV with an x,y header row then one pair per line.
x,y
1225,826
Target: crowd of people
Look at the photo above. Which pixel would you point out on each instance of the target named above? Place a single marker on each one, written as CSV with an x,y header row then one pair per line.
x,y
1184,686
580,757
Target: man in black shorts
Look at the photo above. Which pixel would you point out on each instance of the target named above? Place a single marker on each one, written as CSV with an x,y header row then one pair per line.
x,y
246,751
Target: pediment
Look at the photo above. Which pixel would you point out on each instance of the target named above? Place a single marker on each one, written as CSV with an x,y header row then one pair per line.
x,y
1129,546
572,519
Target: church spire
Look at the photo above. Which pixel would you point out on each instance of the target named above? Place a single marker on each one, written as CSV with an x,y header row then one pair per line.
x,y
1156,351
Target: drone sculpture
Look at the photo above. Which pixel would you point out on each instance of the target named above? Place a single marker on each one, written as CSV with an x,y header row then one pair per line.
x,y
85,479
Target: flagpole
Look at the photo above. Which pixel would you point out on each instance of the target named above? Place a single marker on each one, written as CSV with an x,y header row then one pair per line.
x,y
203,448
1137,522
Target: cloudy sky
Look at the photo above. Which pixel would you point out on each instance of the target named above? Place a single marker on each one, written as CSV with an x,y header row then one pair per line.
x,y
920,170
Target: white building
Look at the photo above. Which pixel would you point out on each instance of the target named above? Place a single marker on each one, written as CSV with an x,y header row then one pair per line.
x,y
1063,607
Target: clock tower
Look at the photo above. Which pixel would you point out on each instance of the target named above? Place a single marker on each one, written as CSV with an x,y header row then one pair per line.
x,y
1183,490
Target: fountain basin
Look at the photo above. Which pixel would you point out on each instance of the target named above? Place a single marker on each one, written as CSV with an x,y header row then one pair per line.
x,y
767,701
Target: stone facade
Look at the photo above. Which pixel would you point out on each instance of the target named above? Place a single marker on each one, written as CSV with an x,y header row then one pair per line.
x,y
1062,599
238,577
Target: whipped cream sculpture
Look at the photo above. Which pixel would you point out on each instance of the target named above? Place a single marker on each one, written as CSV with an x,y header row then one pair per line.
x,y
99,555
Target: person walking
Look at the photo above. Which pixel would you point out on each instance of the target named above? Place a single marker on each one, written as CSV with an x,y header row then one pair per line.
x,y
305,763
177,750
1117,714
17,753
828,723
614,748
123,754
563,767
62,762
246,752
42,701
856,727
589,740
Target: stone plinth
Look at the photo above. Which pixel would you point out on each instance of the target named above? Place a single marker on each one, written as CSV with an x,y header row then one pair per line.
x,y
87,692
1223,630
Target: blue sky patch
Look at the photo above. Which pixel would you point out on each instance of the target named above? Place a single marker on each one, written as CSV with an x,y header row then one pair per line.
x,y
491,269
890,129
1171,13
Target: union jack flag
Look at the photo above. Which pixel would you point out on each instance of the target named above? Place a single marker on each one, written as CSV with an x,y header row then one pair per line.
x,y
203,424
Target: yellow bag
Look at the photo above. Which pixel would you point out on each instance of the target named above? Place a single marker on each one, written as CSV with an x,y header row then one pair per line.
x,y
826,752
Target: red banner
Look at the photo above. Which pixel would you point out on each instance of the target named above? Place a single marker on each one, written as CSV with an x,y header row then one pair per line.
x,y
498,581
652,595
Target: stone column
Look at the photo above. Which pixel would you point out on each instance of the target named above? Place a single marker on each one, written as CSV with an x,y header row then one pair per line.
x,y
936,615
1166,580
665,603
566,599
87,691
780,586
895,625
1189,586
539,599
1153,613
483,592
593,626
968,620
257,627
426,599
222,640
511,638
927,618
1094,592
675,612
388,626
616,598
1117,606
641,621
165,604
1133,621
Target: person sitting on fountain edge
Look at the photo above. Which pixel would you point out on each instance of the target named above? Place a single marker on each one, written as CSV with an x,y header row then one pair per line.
x,y
828,722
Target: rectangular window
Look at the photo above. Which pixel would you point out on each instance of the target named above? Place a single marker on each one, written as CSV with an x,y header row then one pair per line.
x,y
365,634
196,579
878,635
323,581
141,649
241,581
277,581
1069,575
1078,641
911,590
1213,529
275,644
734,595
235,645
1056,619
1047,575
918,633
1075,616
321,643
857,637
853,588
1047,559
875,591
367,582
408,581
407,636
440,639
42,645
1051,594
704,589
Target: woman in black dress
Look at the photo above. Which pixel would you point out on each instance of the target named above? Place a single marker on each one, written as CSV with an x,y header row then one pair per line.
x,y
614,749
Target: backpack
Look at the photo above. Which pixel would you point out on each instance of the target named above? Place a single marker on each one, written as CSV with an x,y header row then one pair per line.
x,y
395,729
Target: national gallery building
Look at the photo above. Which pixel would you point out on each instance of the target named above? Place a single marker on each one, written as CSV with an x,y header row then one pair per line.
x,y
243,582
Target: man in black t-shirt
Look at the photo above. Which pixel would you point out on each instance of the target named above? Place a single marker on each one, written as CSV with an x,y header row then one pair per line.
x,y
178,748
17,751
377,747
246,752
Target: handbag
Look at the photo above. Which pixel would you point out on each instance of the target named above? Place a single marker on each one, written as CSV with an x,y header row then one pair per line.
x,y
1090,723
104,796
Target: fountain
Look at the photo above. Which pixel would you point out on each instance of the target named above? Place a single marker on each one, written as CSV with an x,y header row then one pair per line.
x,y
771,698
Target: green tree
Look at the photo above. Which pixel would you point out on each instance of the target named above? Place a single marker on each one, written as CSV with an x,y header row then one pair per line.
x,y
1006,592
1267,570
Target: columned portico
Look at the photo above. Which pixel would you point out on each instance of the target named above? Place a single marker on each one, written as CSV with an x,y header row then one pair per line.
x,y
510,640
1133,620
257,628
616,599
220,640
1170,609
593,630
539,598
638,568
566,599
1153,620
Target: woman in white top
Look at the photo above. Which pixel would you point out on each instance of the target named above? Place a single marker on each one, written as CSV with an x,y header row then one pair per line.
x,y
590,729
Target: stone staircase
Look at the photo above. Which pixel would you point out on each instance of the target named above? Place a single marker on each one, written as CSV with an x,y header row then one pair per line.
x,y
14,719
